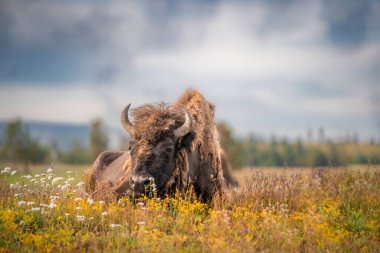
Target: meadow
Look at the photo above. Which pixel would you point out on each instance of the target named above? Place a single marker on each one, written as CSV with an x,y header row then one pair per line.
x,y
275,210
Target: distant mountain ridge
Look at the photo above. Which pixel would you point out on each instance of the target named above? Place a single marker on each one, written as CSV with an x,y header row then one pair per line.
x,y
64,135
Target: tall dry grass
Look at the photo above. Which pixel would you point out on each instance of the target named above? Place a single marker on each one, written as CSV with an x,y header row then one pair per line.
x,y
323,210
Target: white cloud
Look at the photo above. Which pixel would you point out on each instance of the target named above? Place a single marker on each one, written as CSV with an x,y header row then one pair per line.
x,y
249,58
74,104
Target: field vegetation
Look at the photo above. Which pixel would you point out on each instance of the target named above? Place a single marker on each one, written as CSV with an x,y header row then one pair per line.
x,y
302,210
314,207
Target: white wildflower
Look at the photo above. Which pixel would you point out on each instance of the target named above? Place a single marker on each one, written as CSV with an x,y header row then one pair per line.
x,y
6,170
78,208
140,204
28,176
70,179
21,203
115,225
69,172
12,186
64,187
50,170
37,175
77,199
56,179
104,213
29,203
80,218
49,177
17,195
43,180
35,209
52,205
13,172
141,223
22,223
33,180
101,202
80,184
90,201
67,214
44,205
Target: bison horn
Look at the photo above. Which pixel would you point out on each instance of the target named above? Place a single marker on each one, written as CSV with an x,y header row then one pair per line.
x,y
186,127
128,126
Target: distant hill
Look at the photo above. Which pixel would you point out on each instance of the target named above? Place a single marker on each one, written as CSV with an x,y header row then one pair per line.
x,y
64,135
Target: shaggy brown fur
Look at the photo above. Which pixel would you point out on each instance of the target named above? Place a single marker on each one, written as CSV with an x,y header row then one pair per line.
x,y
206,135
197,164
153,121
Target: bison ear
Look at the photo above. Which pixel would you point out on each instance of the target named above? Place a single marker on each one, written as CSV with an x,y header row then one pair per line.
x,y
187,140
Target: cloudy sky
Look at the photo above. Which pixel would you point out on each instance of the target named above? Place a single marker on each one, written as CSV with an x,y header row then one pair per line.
x,y
270,67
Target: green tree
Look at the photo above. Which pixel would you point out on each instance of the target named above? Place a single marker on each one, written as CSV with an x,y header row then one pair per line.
x,y
98,139
251,154
300,159
274,157
77,154
334,156
320,159
19,147
290,157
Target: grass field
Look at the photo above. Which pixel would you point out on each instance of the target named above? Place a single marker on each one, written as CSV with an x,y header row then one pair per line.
x,y
286,210
60,170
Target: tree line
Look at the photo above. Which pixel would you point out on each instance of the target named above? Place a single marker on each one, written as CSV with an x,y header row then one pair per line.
x,y
255,151
19,147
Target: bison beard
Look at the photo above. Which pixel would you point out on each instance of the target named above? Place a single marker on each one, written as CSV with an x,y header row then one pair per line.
x,y
176,146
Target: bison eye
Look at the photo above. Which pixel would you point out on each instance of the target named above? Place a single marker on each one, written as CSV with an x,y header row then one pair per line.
x,y
169,149
131,148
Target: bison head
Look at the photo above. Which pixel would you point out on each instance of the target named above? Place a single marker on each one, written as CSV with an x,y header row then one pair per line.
x,y
157,134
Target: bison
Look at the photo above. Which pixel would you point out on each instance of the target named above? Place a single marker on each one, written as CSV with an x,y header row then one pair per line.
x,y
175,147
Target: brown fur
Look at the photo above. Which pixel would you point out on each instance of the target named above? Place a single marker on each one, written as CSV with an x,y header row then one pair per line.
x,y
206,135
202,155
161,118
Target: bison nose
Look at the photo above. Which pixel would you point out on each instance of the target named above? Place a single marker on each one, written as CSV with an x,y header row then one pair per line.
x,y
139,182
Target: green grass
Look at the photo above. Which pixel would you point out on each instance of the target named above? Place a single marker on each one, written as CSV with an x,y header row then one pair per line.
x,y
60,170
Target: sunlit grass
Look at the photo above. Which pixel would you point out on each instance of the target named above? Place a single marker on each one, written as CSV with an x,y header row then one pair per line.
x,y
321,210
